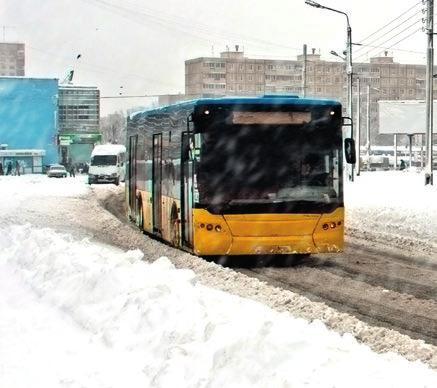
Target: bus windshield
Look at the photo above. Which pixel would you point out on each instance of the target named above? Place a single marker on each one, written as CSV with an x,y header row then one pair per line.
x,y
104,160
270,166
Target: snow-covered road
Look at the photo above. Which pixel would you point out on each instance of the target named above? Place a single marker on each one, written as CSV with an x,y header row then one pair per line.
x,y
78,313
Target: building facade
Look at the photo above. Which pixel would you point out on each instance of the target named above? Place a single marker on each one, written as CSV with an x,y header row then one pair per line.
x,y
12,59
234,74
28,124
79,122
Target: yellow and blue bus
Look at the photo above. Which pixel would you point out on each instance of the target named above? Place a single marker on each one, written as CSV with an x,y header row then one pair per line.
x,y
240,175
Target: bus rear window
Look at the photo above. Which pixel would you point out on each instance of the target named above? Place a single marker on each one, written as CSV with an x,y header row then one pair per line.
x,y
271,117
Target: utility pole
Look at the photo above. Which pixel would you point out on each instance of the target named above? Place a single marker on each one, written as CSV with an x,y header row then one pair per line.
x,y
358,135
304,71
368,128
4,31
349,83
429,90
314,4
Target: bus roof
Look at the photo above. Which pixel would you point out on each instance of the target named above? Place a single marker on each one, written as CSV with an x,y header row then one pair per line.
x,y
274,99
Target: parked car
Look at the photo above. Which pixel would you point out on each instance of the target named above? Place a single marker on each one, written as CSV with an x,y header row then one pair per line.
x,y
57,171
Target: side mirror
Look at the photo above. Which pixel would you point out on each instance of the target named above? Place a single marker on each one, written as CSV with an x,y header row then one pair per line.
x,y
349,151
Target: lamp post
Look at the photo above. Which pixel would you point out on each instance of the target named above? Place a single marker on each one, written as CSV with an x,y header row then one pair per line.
x,y
368,148
429,91
348,63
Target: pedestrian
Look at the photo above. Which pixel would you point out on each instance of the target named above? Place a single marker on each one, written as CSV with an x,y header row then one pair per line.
x,y
9,168
1,169
17,168
72,172
403,165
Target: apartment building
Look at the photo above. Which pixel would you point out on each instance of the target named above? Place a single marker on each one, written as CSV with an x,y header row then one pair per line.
x,y
12,59
234,74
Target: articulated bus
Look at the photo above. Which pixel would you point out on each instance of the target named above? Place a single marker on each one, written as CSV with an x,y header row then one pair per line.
x,y
240,175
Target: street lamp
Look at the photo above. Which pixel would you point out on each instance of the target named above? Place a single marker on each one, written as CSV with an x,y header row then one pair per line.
x,y
348,62
332,52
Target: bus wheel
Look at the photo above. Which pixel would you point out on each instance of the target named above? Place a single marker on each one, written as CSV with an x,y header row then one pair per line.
x,y
139,215
174,227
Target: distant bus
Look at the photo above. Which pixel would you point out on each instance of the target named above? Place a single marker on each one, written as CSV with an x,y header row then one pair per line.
x,y
239,176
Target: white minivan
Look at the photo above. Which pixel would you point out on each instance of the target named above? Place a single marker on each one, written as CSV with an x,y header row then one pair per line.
x,y
107,164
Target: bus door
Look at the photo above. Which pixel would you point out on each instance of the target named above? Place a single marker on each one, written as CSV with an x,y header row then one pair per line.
x,y
157,183
187,190
133,140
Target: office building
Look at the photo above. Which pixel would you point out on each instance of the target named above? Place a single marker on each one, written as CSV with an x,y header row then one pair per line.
x,y
28,124
79,122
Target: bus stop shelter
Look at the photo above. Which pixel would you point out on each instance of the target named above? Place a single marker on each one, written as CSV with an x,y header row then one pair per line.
x,y
30,161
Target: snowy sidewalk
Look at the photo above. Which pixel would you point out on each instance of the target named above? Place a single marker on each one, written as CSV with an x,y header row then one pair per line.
x,y
76,313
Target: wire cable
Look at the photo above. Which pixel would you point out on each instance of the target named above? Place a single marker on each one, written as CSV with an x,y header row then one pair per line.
x,y
391,38
394,28
390,22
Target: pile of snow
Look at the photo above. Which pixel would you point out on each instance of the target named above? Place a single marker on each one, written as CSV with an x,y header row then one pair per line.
x,y
16,188
393,206
76,313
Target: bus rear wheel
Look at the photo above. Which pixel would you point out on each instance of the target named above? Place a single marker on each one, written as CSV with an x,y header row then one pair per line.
x,y
174,227
139,216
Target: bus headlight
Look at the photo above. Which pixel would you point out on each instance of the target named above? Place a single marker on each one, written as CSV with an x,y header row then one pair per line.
x,y
218,228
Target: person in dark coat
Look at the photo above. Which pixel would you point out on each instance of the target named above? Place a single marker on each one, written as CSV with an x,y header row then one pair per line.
x,y
403,165
1,169
72,170
9,168
17,168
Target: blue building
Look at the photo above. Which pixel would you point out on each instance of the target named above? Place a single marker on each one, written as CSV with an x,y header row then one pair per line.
x,y
28,117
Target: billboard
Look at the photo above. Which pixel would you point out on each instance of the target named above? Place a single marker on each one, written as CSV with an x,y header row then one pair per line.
x,y
403,117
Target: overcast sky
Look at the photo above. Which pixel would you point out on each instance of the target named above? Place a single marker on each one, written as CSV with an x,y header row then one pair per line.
x,y
141,45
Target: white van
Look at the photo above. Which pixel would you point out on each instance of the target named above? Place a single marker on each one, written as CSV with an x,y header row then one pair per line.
x,y
107,164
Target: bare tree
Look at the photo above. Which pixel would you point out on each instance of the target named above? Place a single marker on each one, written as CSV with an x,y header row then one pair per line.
x,y
113,128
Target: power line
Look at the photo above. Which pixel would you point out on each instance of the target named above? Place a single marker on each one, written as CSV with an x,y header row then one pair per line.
x,y
169,21
391,38
394,28
403,50
419,29
390,22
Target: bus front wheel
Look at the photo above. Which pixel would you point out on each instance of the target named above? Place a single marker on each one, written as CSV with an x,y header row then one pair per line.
x,y
290,260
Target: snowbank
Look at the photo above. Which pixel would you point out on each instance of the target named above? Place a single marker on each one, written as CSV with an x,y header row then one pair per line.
x,y
107,315
16,188
395,207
